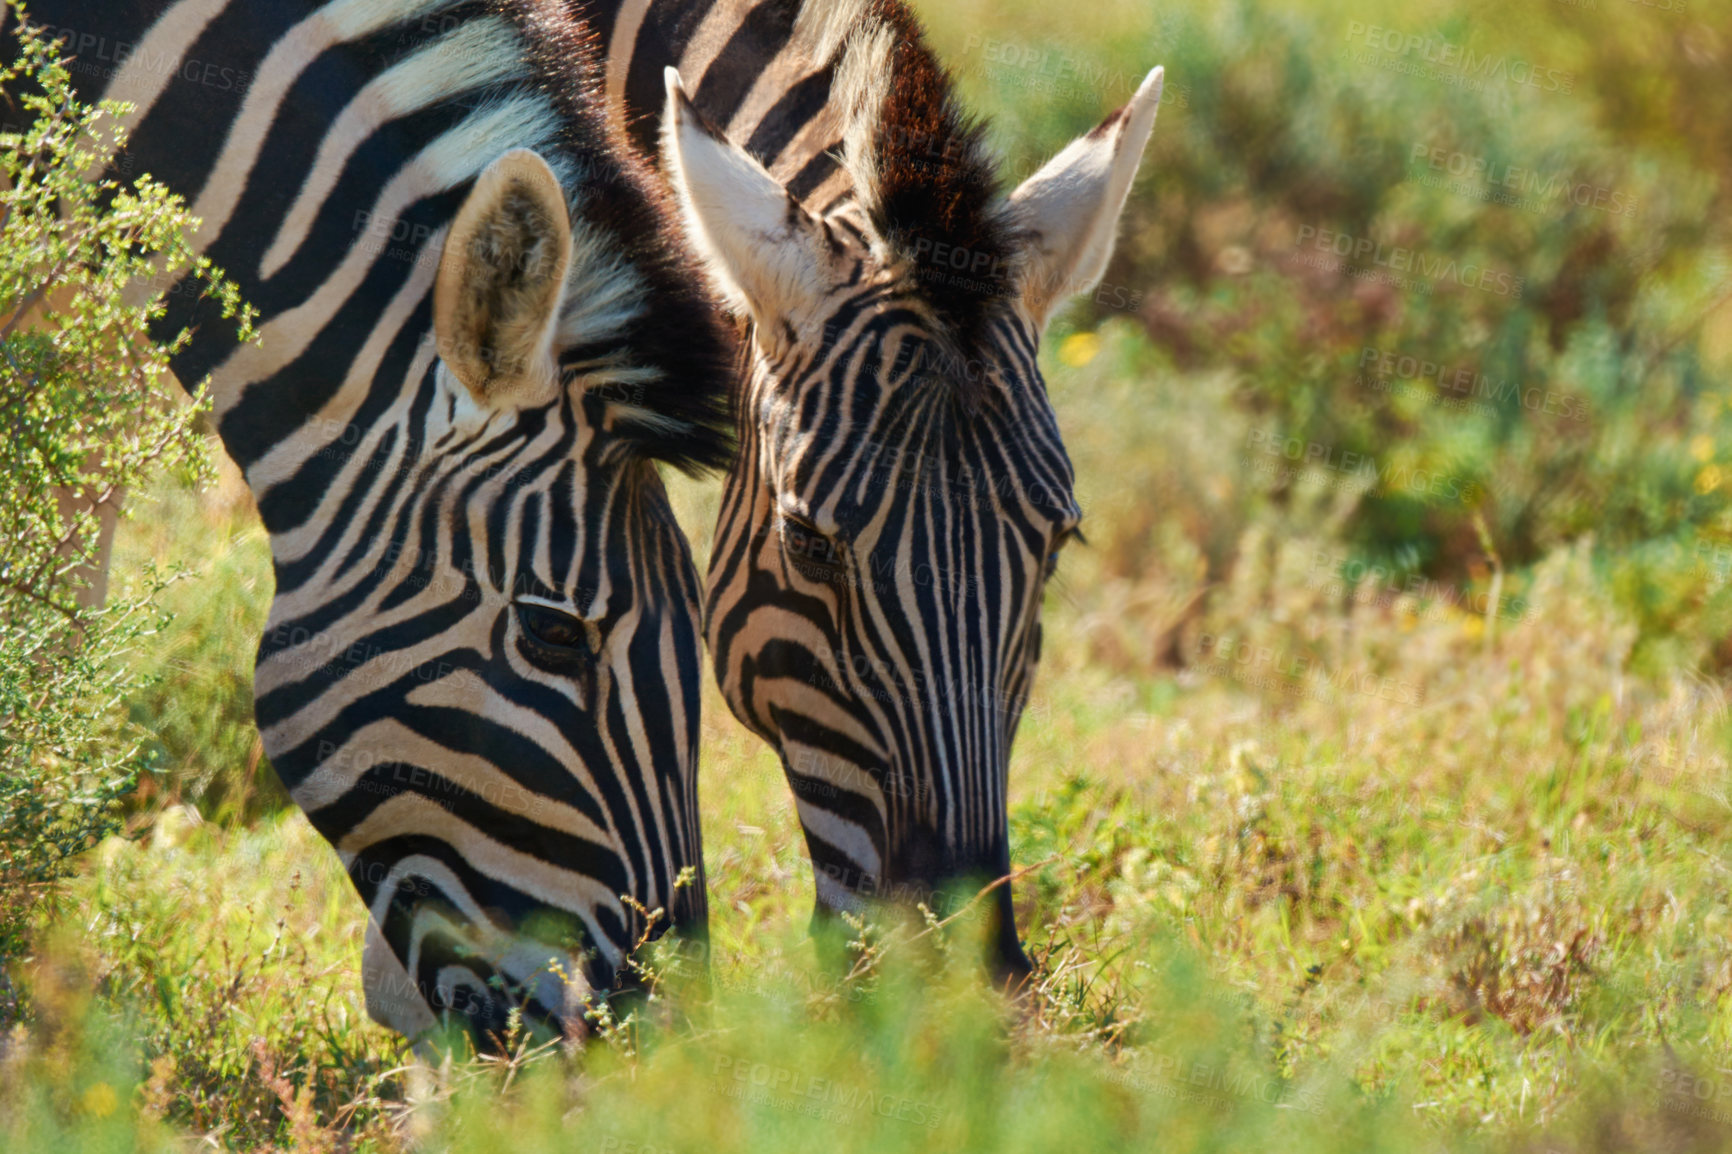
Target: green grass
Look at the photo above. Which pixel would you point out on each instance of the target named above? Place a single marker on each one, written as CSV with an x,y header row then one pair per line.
x,y
1451,885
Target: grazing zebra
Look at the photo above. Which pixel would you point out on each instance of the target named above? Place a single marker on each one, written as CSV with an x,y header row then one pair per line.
x,y
902,492
480,333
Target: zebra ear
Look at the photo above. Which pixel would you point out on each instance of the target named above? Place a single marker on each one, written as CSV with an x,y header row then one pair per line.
x,y
765,253
1070,208
502,278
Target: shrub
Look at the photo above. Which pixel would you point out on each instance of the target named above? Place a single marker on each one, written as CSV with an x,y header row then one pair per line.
x,y
1491,313
89,409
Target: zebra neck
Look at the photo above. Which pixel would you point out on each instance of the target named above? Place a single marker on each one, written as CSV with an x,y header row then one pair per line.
x,y
841,100
851,112
764,73
326,148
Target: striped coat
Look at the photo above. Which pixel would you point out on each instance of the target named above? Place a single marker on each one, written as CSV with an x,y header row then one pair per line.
x,y
481,334
902,493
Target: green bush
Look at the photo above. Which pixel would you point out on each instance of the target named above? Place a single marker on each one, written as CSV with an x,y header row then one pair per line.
x,y
90,410
1557,251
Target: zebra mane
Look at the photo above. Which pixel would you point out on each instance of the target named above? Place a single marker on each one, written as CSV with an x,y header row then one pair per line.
x,y
637,318
922,172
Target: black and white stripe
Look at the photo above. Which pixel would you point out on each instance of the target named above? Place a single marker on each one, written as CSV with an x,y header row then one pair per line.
x,y
480,677
902,491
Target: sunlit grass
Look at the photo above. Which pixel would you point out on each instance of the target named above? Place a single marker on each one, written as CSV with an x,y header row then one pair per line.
x,y
1275,909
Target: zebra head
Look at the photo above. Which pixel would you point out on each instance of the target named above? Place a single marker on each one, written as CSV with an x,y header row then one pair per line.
x,y
486,694
482,337
903,493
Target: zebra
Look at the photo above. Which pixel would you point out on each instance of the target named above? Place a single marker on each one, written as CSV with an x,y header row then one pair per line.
x,y
481,335
902,493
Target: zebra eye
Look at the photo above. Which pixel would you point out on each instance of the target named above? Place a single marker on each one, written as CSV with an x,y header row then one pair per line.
x,y
558,631
799,524
1064,539
805,538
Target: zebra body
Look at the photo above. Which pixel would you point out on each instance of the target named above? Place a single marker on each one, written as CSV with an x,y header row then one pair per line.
x,y
902,491
480,333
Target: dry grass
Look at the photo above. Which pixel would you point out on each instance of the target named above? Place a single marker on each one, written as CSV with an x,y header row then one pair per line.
x,y
1366,864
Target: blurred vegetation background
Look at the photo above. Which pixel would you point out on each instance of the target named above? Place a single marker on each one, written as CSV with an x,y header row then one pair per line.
x,y
1412,438
1589,402
1376,780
